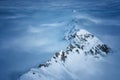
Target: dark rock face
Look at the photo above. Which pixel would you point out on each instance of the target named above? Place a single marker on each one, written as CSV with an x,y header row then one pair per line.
x,y
104,48
57,54
71,46
77,51
44,65
78,45
98,49
63,57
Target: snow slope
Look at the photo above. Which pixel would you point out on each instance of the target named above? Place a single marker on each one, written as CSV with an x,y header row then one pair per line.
x,y
80,58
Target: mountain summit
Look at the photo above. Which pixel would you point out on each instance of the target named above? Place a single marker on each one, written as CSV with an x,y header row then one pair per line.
x,y
83,51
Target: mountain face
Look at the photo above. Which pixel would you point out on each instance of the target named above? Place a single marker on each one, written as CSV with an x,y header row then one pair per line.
x,y
80,58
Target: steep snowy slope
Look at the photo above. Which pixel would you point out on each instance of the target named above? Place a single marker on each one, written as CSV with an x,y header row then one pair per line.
x,y
81,56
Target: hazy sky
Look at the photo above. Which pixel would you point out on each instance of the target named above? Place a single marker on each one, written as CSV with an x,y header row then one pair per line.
x,y
31,31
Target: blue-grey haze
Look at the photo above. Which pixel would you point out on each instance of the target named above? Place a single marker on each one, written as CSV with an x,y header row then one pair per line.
x,y
31,31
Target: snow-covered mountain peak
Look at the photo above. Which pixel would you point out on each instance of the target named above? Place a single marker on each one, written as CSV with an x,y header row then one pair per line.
x,y
66,63
83,32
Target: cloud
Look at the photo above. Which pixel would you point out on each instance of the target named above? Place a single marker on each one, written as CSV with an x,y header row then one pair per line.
x,y
87,17
44,38
45,27
110,22
13,17
53,24
48,36
28,43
